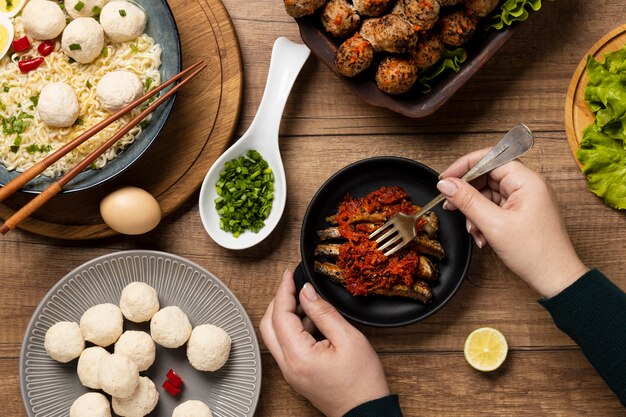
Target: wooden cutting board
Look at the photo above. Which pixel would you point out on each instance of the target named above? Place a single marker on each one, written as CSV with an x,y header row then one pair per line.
x,y
199,129
577,113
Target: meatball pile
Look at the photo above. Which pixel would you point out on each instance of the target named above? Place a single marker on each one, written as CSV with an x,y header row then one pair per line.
x,y
403,37
116,357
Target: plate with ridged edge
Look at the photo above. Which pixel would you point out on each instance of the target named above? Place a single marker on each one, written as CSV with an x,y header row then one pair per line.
x,y
49,388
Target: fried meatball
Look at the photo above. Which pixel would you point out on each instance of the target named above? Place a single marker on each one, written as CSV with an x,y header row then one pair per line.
x,y
354,56
390,33
428,50
371,7
458,27
422,14
340,19
300,8
481,7
448,3
396,74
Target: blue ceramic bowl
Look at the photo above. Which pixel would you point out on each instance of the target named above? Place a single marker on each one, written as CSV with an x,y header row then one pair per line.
x,y
162,28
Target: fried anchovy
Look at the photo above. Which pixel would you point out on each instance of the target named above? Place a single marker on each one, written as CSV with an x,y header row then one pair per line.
x,y
425,244
420,290
426,269
431,228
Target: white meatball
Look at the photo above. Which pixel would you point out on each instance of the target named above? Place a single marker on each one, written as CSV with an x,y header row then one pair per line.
x,y
122,21
83,40
117,89
139,301
170,327
64,341
43,19
102,324
140,403
118,375
138,347
208,347
88,363
58,105
192,408
84,8
92,404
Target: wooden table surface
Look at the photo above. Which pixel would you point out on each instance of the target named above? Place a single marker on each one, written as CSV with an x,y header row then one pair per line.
x,y
325,127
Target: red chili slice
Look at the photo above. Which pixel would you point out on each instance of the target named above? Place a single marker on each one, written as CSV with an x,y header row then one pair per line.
x,y
171,389
45,48
21,44
28,65
174,378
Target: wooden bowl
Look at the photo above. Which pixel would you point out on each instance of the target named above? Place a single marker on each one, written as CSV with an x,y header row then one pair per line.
x,y
413,103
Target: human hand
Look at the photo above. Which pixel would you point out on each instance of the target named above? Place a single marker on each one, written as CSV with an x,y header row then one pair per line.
x,y
335,374
516,213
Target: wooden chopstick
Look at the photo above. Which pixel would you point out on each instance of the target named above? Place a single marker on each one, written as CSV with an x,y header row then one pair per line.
x,y
54,188
21,180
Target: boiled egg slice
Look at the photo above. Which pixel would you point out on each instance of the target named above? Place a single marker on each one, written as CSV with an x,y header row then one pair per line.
x,y
6,35
11,8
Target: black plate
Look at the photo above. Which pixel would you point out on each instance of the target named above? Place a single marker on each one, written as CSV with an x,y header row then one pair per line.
x,y
359,179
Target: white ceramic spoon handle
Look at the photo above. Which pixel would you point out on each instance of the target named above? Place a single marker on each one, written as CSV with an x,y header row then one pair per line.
x,y
285,65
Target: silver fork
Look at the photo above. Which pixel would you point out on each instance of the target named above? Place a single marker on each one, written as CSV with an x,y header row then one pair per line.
x,y
400,229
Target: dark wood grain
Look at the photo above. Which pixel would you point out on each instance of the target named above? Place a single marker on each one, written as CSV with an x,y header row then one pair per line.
x,y
327,127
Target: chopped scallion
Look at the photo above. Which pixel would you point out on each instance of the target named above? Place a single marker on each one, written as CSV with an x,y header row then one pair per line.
x,y
79,6
122,12
246,193
75,47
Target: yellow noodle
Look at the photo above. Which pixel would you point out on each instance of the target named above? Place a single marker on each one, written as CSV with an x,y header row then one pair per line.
x,y
141,56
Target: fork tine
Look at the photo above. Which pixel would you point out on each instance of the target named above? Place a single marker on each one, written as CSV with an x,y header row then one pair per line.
x,y
394,249
391,242
391,232
380,230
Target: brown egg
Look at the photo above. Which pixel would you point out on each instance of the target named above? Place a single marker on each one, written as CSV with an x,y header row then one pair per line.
x,y
130,211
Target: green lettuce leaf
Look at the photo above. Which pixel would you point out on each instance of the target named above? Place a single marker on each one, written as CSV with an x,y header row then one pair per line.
x,y
603,147
451,60
513,11
604,160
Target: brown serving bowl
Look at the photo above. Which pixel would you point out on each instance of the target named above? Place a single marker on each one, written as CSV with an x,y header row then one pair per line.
x,y
413,103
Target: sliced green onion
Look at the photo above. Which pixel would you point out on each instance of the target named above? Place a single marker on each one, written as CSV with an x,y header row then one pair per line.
x,y
95,10
75,47
122,12
246,193
79,6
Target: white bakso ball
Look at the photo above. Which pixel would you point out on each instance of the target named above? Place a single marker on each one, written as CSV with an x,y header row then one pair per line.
x,y
83,40
102,324
138,347
64,341
117,89
192,408
140,403
92,404
208,347
118,375
84,8
139,301
88,363
170,327
58,105
122,21
43,19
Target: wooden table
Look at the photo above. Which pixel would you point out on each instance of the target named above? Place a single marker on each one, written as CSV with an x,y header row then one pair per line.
x,y
325,127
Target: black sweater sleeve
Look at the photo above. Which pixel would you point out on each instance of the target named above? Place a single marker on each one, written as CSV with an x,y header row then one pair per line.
x,y
592,311
388,406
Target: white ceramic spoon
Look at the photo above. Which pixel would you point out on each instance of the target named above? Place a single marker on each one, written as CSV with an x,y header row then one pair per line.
x,y
262,135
